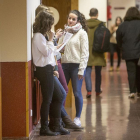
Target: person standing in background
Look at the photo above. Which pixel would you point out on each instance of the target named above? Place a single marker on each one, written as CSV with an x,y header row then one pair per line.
x,y
95,59
113,44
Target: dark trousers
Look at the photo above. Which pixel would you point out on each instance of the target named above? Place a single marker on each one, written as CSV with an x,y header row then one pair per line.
x,y
115,48
51,94
133,71
97,78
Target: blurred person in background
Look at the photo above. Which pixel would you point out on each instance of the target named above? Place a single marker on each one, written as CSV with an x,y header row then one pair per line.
x,y
95,58
113,45
128,39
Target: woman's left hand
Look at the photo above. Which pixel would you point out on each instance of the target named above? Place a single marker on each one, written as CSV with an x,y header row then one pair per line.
x,y
80,77
56,74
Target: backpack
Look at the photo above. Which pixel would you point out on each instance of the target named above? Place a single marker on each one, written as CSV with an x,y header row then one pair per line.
x,y
101,39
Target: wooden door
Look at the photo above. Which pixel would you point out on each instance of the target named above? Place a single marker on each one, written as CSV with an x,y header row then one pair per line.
x,y
63,7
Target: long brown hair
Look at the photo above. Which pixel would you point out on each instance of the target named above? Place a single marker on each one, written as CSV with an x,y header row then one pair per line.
x,y
43,22
117,19
81,19
132,14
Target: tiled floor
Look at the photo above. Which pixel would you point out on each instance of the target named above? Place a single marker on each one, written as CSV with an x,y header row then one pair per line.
x,y
111,116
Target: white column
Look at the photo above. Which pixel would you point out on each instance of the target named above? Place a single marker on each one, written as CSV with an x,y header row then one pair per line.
x,y
31,6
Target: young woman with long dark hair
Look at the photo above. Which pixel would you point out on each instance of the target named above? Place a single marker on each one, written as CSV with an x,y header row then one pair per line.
x,y
113,44
75,57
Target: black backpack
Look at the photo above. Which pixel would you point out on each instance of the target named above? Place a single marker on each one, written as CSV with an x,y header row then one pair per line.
x,y
101,39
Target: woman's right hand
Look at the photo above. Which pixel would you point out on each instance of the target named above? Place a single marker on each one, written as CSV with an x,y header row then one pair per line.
x,y
59,33
80,77
51,35
56,74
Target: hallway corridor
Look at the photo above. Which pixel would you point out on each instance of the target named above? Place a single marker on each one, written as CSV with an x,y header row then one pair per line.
x,y
110,116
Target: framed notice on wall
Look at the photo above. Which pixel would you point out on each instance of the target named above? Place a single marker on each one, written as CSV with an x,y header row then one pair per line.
x,y
138,4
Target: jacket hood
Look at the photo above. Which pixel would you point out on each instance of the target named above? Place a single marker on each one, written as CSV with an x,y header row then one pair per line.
x,y
92,23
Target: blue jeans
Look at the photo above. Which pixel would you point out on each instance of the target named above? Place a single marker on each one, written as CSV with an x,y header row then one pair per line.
x,y
63,111
88,79
97,78
71,72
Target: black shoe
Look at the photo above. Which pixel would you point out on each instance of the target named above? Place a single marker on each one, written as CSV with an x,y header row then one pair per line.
x,y
45,131
56,126
88,95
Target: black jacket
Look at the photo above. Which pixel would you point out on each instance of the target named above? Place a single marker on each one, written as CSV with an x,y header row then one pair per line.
x,y
128,38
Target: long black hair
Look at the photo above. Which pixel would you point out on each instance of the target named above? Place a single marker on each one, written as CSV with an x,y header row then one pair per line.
x,y
117,19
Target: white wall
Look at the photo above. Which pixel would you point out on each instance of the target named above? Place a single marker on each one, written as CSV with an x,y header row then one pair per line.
x,y
16,18
86,5
31,6
121,13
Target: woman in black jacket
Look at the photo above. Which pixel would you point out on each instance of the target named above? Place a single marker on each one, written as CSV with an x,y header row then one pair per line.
x,y
128,38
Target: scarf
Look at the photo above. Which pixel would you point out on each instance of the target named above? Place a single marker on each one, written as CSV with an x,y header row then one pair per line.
x,y
74,29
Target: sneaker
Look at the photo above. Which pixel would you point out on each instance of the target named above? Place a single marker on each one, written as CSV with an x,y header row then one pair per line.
x,y
132,95
88,94
77,121
111,69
